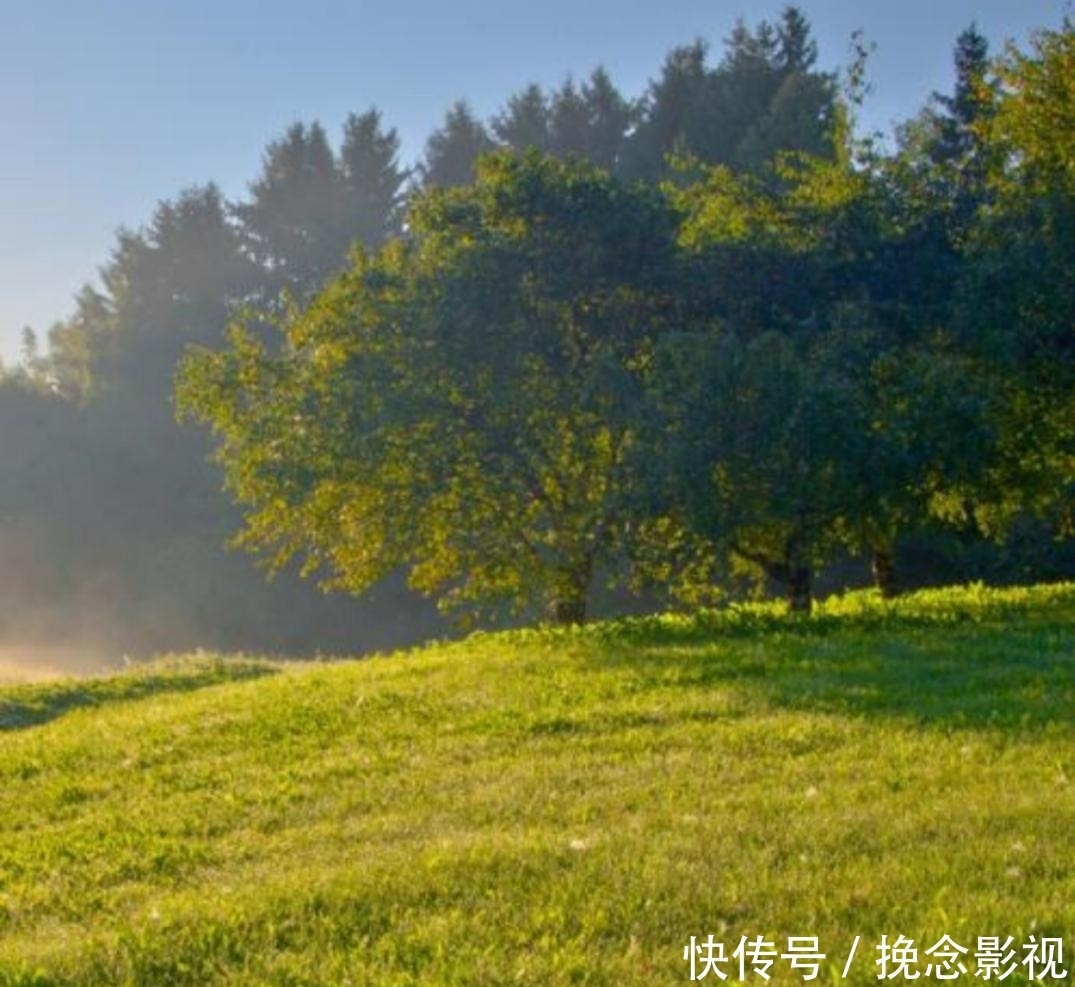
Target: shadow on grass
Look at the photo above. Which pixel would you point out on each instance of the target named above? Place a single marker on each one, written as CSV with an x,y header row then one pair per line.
x,y
23,706
1008,666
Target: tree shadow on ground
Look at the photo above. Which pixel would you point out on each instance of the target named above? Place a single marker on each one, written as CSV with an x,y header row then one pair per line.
x,y
23,706
1010,668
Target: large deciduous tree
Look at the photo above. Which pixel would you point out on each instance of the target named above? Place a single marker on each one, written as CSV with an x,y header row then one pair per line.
x,y
465,404
1018,293
823,402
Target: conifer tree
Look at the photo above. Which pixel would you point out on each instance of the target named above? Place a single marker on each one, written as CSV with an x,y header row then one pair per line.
x,y
453,149
372,180
524,121
291,222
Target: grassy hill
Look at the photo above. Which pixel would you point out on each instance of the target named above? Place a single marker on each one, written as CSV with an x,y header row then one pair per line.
x,y
552,807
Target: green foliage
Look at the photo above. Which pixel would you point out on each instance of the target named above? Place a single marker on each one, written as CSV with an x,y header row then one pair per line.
x,y
771,448
1018,300
610,117
452,151
1035,115
947,133
765,97
463,404
801,348
810,412
523,124
115,526
543,402
1024,246
290,219
309,205
591,121
372,180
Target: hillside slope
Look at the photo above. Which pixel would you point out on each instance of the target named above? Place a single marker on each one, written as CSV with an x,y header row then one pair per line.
x,y
553,807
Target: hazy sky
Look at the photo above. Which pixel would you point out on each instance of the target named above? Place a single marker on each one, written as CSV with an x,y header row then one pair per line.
x,y
107,106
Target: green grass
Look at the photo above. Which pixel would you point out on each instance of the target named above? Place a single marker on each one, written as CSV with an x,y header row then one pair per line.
x,y
551,807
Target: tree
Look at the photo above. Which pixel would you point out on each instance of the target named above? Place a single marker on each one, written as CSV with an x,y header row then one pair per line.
x,y
463,404
309,205
569,121
955,137
610,118
371,180
173,283
1017,299
669,113
943,150
452,151
796,50
292,223
765,96
759,398
45,456
590,121
823,401
74,343
524,123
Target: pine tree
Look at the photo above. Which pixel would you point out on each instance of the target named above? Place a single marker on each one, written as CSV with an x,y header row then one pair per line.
x,y
372,179
292,224
524,122
766,96
590,121
671,106
609,120
452,150
569,121
954,137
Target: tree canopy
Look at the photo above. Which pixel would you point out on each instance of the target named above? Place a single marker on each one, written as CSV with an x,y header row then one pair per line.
x,y
656,342
462,404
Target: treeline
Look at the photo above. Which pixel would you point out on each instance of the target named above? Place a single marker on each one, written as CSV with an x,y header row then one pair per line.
x,y
658,343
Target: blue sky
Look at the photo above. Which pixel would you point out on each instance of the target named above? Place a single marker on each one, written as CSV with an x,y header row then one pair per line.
x,y
107,106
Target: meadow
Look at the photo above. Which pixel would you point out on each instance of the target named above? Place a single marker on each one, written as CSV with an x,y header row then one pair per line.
x,y
553,807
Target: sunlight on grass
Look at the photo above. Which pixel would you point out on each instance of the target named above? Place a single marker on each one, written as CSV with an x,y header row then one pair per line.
x,y
551,807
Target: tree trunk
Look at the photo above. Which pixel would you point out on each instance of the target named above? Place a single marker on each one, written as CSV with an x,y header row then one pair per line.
x,y
884,572
571,594
800,573
800,589
565,611
796,577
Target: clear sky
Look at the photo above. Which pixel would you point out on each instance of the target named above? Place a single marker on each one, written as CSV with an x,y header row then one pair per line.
x,y
107,106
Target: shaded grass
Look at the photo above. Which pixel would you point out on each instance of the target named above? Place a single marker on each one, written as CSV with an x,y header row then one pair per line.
x,y
559,807
970,677
29,705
